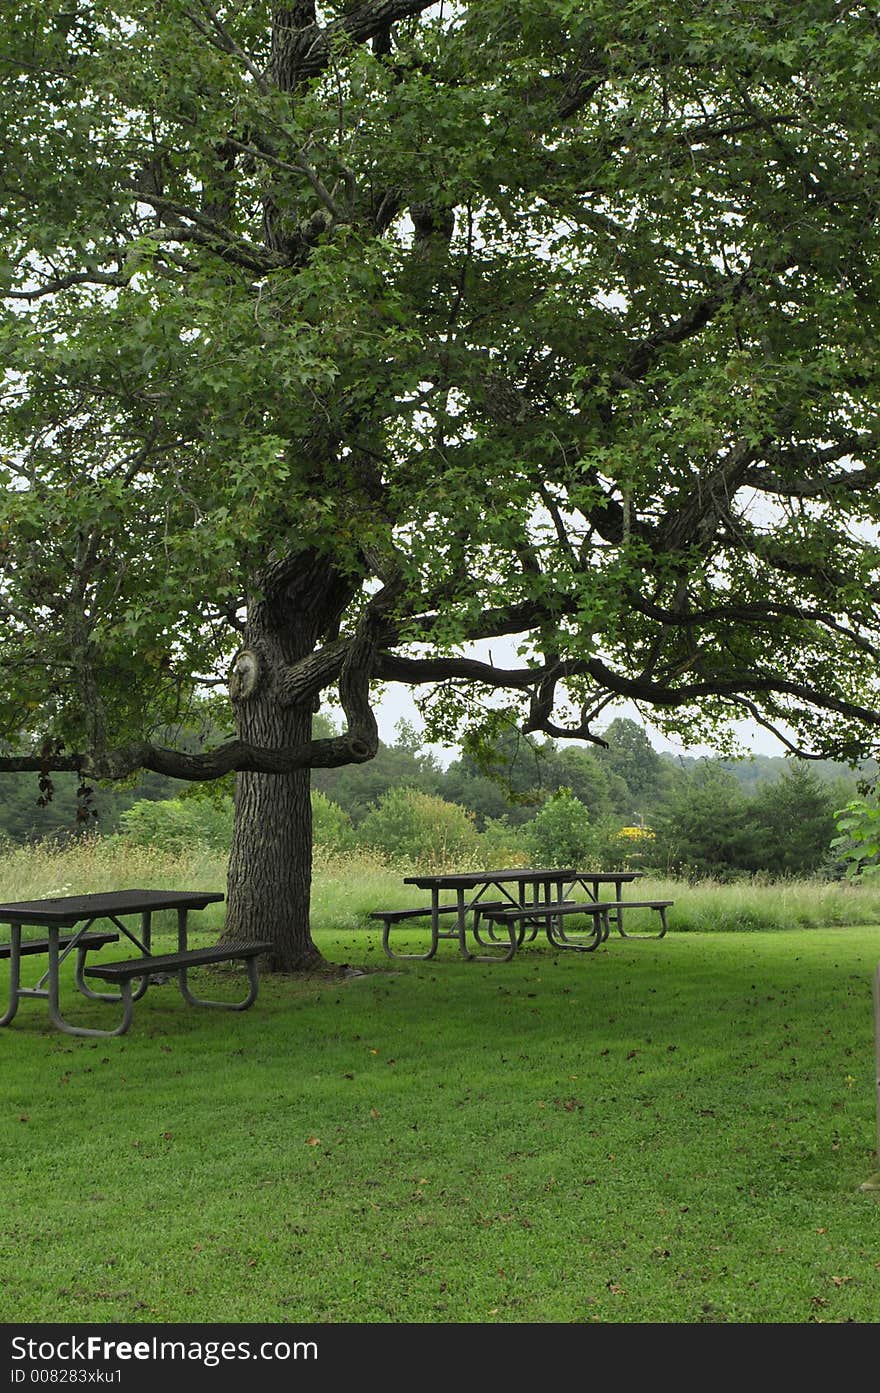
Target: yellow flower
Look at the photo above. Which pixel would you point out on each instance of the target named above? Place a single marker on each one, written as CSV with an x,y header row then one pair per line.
x,y
637,834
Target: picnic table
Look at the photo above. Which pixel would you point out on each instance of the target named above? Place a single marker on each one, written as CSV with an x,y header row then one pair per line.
x,y
529,900
77,914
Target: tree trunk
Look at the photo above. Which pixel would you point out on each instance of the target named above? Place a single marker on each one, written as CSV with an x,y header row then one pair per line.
x,y
270,862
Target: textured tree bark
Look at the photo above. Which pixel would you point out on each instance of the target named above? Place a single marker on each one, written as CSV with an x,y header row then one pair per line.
x,y
270,864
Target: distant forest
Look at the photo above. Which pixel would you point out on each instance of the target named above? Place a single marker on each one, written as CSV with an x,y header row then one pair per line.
x,y
762,813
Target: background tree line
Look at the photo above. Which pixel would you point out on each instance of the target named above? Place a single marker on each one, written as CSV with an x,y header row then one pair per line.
x,y
542,800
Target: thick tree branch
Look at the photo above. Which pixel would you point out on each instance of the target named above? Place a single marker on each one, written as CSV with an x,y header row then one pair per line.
x,y
692,516
235,756
111,278
359,744
309,49
206,232
801,472
418,670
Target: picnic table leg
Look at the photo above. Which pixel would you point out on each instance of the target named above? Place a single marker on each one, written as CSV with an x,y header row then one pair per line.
x,y
555,929
503,957
421,957
560,939
664,926
529,932
83,986
461,921
82,954
53,993
190,998
491,928
14,974
147,946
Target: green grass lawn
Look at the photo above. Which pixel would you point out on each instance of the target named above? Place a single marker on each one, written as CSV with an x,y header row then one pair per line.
x,y
669,1131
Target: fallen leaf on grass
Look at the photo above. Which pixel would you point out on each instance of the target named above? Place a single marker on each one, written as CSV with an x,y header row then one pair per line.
x,y
568,1104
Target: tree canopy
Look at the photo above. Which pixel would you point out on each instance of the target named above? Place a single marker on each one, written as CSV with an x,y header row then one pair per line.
x,y
554,319
339,336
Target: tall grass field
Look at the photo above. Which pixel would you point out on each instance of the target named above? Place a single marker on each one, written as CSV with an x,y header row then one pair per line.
x,y
665,1131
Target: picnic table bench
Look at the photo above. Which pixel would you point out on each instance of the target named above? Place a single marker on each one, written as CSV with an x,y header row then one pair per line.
x,y
390,917
124,973
551,913
78,913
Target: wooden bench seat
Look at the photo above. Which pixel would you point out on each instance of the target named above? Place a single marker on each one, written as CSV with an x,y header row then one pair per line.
x,y
390,917
125,972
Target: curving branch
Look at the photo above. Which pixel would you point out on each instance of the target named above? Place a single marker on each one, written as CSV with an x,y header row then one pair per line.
x,y
206,232
235,756
111,278
310,49
363,663
756,614
796,750
660,694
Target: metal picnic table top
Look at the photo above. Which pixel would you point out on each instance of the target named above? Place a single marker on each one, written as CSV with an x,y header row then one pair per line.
x,y
466,880
68,910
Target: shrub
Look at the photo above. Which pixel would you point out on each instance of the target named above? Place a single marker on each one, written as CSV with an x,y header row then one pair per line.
x,y
178,824
412,826
175,824
501,845
858,844
331,825
561,834
707,829
795,818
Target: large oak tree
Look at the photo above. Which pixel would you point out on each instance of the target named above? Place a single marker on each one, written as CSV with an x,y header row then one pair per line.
x,y
338,336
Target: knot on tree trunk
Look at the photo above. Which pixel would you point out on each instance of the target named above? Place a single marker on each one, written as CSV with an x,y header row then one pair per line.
x,y
361,748
244,675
